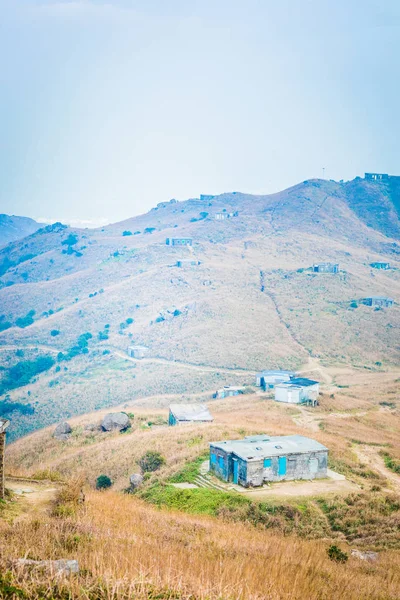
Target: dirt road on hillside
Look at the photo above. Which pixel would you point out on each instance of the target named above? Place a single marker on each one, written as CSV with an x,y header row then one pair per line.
x,y
33,497
203,368
369,455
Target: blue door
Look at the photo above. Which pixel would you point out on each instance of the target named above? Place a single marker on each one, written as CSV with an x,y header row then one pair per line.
x,y
282,465
235,471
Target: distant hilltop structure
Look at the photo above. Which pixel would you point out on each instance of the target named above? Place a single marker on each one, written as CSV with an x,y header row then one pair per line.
x,y
380,177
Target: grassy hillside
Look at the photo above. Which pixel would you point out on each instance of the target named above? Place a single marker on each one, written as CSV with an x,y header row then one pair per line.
x,y
14,228
80,297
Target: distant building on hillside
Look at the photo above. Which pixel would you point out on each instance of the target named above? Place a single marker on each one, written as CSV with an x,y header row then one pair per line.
x,y
228,390
261,458
179,242
189,413
380,301
298,390
221,216
4,423
186,262
326,268
385,266
376,176
269,379
137,351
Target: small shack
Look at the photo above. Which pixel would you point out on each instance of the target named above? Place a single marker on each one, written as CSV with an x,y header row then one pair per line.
x,y
385,266
187,263
137,351
180,414
376,176
222,216
378,301
298,390
179,242
326,268
261,458
267,380
227,391
4,423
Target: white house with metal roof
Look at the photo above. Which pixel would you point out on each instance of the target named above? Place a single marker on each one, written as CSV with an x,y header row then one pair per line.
x,y
261,458
189,413
298,390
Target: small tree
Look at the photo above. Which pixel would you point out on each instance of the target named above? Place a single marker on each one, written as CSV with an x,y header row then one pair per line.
x,y
125,233
336,554
103,482
151,461
54,332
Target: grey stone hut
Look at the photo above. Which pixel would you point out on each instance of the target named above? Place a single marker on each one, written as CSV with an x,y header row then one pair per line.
x,y
261,458
227,391
137,351
384,266
4,423
380,301
179,242
326,268
180,414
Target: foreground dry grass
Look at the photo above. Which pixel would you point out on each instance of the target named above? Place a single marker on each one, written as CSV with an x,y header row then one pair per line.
x,y
128,550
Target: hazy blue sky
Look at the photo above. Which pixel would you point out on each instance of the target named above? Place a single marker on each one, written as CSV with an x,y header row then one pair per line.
x,y
107,108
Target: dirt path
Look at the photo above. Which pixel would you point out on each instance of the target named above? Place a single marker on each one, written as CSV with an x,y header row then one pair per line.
x,y
205,368
369,455
314,364
32,497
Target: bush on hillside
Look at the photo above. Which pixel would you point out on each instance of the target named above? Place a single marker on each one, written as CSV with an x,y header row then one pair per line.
x,y
71,240
336,554
24,371
103,482
54,332
125,233
25,321
151,461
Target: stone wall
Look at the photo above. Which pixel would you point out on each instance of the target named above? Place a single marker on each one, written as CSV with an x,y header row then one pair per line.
x,y
312,465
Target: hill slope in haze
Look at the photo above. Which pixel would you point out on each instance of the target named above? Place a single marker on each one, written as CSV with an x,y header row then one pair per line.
x,y
14,228
80,297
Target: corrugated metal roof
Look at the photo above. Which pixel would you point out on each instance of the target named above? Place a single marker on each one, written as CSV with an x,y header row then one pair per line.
x,y
302,381
257,447
4,423
275,373
190,412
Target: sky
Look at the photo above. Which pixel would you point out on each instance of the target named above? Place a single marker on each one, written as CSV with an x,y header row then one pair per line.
x,y
109,107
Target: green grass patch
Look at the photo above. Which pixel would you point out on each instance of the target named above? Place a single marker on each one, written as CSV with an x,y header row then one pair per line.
x,y
391,463
190,471
200,501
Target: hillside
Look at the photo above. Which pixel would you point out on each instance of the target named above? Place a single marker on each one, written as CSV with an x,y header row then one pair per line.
x,y
14,228
79,298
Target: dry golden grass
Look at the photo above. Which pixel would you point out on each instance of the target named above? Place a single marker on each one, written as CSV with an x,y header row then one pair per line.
x,y
128,545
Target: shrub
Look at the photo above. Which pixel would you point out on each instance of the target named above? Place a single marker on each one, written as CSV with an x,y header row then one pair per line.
x,y
19,353
129,320
177,312
353,304
103,482
5,325
54,332
25,321
71,240
125,233
103,335
336,554
149,230
22,373
151,461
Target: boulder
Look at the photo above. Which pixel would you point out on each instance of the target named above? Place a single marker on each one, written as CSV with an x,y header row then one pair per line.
x,y
63,566
367,555
115,422
136,480
62,431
